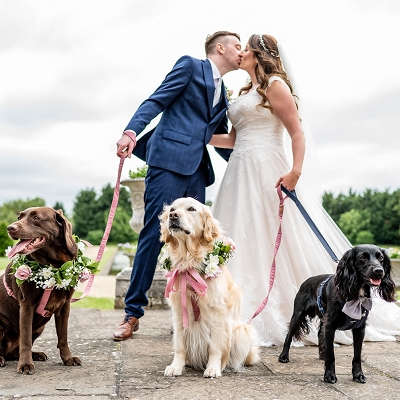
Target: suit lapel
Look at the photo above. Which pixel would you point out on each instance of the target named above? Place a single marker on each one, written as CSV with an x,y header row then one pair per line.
x,y
209,81
224,98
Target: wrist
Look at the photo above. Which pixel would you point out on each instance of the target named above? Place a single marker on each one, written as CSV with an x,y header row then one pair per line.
x,y
131,135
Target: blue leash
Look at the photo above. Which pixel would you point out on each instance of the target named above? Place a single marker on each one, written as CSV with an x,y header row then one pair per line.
x,y
292,195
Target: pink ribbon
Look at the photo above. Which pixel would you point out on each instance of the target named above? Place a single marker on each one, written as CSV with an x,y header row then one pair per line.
x,y
188,278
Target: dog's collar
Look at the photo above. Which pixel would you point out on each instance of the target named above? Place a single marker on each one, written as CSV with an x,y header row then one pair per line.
x,y
181,280
47,276
353,308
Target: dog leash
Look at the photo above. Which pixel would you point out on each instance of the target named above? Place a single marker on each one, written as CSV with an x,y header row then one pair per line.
x,y
47,292
107,231
292,195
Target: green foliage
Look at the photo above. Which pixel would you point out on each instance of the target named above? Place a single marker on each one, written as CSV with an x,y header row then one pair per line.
x,y
379,211
139,173
10,210
94,237
59,206
4,261
84,211
364,237
352,222
5,240
121,231
91,214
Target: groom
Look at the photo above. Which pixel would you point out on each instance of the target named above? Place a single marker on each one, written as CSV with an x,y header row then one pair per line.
x,y
193,104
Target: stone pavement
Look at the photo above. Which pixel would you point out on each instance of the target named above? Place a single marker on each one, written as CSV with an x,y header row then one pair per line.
x,y
134,369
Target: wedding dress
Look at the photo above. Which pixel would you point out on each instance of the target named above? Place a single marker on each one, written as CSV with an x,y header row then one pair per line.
x,y
247,207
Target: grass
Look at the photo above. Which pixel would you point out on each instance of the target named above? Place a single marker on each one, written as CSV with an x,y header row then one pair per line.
x,y
3,262
107,255
101,303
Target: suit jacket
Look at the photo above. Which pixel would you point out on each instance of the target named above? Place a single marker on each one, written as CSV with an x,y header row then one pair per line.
x,y
188,121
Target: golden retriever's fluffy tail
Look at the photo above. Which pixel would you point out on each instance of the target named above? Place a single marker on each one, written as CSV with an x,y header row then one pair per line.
x,y
243,351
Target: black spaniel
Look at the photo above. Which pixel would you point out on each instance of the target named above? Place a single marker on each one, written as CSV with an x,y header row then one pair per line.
x,y
341,301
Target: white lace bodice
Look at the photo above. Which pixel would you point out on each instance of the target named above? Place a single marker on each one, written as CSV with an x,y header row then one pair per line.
x,y
256,126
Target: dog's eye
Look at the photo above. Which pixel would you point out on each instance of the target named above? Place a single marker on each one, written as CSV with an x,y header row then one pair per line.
x,y
171,209
36,218
191,209
363,257
380,257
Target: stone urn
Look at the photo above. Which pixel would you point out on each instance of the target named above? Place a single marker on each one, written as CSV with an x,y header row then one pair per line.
x,y
136,192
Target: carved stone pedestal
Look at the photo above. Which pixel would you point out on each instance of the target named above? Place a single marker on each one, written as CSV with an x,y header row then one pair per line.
x,y
155,294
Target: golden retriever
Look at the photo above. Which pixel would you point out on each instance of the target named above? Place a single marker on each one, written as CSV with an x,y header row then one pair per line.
x,y
215,337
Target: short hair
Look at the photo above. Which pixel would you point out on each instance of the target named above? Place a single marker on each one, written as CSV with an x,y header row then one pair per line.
x,y
211,40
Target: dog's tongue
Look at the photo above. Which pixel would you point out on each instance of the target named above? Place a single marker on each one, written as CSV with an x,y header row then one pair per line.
x,y
18,247
375,282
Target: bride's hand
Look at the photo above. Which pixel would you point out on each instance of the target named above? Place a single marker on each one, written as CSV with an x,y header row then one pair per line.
x,y
289,180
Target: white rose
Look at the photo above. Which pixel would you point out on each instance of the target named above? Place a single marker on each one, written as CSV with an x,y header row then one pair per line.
x,y
47,273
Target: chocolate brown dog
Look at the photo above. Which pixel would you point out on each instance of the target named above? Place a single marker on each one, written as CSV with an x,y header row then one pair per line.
x,y
45,237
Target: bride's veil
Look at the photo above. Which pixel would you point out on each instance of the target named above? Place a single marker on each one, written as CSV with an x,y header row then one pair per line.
x,y
309,190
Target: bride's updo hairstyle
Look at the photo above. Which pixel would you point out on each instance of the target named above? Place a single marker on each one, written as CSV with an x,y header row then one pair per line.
x,y
265,51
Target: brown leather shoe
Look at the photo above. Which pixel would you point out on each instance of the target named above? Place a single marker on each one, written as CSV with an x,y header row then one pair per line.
x,y
126,328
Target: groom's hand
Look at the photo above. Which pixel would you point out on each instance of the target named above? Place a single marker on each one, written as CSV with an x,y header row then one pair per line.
x,y
125,145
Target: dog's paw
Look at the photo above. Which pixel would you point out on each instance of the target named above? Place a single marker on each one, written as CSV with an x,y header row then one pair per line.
x,y
330,377
39,356
172,370
72,362
26,369
2,361
360,378
212,373
283,358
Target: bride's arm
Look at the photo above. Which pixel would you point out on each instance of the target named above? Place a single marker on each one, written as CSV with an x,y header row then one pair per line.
x,y
224,140
282,102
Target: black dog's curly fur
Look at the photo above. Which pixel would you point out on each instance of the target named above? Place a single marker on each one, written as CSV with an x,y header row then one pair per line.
x,y
360,268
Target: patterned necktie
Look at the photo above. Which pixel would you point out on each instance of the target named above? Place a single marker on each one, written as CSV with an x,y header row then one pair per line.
x,y
217,92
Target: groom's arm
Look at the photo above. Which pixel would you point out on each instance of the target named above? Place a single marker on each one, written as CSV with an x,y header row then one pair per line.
x,y
223,129
164,95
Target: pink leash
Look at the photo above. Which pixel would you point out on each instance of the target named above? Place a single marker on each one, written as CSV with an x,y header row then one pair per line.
x,y
47,292
277,245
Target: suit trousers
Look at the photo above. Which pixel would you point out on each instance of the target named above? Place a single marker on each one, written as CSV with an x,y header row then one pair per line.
x,y
162,187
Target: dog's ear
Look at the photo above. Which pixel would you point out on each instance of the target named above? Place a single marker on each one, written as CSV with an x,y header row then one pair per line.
x,y
165,235
387,287
67,230
346,277
211,228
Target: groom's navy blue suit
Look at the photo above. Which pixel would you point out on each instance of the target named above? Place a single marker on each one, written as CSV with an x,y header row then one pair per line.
x,y
175,152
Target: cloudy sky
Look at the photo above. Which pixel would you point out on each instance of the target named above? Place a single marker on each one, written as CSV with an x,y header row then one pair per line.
x,y
73,73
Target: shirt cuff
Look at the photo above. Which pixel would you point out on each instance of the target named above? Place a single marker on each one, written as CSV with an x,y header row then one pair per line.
x,y
131,134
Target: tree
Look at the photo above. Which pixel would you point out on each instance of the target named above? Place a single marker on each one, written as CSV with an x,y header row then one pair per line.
x,y
59,206
352,222
5,240
85,210
91,215
10,210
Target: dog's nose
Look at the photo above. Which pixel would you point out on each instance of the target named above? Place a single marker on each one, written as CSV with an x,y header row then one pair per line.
x,y
12,228
378,271
173,215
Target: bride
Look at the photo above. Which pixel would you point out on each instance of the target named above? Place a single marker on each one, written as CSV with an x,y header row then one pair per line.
x,y
247,201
